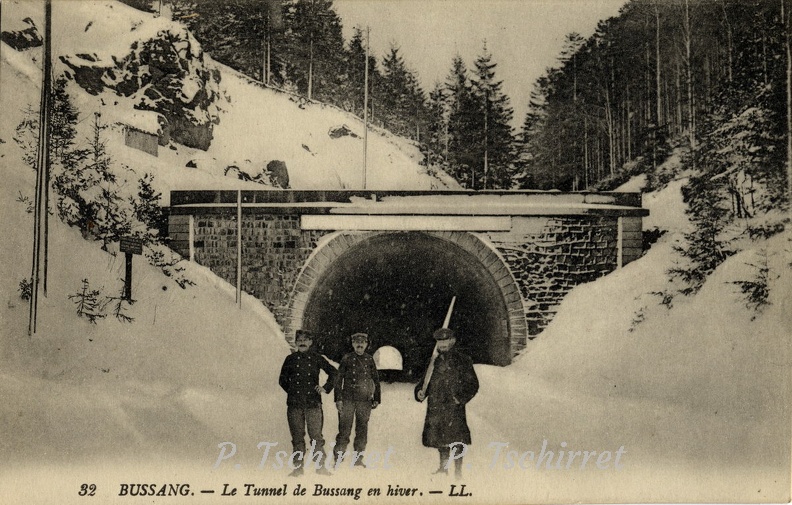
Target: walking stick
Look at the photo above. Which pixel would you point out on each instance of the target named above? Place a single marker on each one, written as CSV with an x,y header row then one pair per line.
x,y
430,368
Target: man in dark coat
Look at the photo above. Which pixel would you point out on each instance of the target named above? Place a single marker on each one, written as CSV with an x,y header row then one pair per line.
x,y
449,383
299,377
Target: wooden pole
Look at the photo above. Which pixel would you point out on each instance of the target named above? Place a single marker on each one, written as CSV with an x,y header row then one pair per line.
x,y
448,314
365,109
47,133
1,45
239,249
40,203
430,368
785,16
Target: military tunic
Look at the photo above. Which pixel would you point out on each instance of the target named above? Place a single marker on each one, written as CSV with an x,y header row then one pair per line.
x,y
300,375
357,379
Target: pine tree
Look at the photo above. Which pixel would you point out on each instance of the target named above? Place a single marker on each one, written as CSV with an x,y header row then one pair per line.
x,y
147,210
462,153
26,136
403,103
355,70
494,122
314,48
530,142
434,145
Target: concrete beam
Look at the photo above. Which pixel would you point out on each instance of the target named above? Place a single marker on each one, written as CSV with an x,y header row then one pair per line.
x,y
405,223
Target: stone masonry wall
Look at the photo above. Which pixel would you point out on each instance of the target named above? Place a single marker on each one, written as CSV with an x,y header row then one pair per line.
x,y
547,256
274,249
550,256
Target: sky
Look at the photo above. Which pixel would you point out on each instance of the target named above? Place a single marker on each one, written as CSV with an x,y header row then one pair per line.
x,y
524,36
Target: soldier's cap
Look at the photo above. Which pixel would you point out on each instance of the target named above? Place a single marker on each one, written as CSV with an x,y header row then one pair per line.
x,y
303,334
443,334
359,336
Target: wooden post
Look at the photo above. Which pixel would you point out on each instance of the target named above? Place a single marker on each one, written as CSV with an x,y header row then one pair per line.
x,y
619,242
128,277
129,246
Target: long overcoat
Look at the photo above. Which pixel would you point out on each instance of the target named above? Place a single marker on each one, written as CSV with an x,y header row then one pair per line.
x,y
453,384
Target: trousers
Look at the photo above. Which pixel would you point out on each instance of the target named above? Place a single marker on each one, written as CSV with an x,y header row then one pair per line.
x,y
299,419
359,414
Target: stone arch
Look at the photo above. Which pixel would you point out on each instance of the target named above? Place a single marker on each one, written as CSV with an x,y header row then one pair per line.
x,y
476,268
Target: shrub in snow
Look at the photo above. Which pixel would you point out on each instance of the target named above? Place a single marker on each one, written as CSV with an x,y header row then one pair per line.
x,y
120,307
26,136
26,201
169,262
756,291
704,248
25,289
88,303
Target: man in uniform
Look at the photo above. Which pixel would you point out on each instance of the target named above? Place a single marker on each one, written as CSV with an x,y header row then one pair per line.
x,y
357,391
449,383
299,377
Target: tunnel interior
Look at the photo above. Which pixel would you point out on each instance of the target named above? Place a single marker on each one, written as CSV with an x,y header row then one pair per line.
x,y
397,288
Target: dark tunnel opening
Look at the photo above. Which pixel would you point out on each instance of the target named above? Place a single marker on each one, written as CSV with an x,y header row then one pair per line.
x,y
397,288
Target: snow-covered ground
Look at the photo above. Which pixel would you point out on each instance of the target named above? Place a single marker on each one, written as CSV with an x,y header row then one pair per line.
x,y
696,396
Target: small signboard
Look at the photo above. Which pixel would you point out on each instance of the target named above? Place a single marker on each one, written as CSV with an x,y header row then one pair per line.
x,y
131,245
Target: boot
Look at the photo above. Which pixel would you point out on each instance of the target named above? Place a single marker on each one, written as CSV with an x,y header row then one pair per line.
x,y
458,468
444,455
297,472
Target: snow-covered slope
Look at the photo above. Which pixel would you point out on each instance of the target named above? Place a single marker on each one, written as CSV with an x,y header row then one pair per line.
x,y
255,125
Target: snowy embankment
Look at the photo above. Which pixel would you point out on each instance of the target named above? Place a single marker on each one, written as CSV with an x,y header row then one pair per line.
x,y
697,393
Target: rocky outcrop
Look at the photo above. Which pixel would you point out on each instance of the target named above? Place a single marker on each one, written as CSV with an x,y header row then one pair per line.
x,y
166,74
26,38
278,174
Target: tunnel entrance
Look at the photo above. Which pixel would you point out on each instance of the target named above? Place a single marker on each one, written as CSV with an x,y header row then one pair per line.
x,y
397,287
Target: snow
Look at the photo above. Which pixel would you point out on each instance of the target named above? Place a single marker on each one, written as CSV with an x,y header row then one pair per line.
x,y
257,124
698,394
145,121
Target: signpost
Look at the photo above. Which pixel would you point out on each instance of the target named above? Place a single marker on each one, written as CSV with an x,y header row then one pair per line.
x,y
130,246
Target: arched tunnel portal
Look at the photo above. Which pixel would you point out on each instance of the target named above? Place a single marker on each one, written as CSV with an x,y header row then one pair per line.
x,y
397,286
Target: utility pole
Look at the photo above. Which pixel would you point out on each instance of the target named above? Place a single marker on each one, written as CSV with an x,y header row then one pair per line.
x,y
310,67
265,64
486,136
365,108
42,168
1,45
239,250
785,16
273,20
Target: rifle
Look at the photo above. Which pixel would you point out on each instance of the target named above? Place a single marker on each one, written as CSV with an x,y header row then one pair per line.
x,y
430,368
